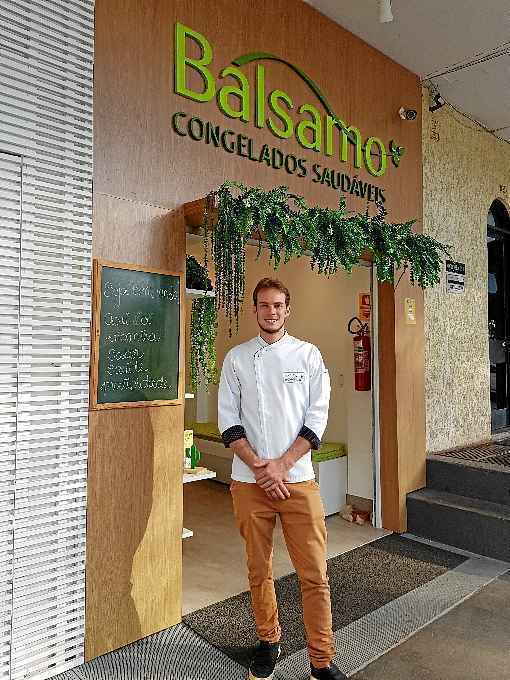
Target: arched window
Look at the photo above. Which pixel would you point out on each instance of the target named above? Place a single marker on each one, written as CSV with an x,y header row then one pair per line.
x,y
498,217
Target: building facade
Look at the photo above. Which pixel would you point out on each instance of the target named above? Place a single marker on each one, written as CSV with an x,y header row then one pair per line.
x,y
465,170
95,497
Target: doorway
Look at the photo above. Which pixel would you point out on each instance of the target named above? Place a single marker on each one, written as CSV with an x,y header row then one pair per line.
x,y
215,547
498,295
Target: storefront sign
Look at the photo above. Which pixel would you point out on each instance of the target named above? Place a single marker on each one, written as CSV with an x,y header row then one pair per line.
x,y
234,143
455,276
237,98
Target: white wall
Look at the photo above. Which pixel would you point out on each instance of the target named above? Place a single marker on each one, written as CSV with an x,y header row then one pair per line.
x,y
321,309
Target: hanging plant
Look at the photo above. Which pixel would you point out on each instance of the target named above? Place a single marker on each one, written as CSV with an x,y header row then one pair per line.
x,y
196,275
203,342
203,327
336,239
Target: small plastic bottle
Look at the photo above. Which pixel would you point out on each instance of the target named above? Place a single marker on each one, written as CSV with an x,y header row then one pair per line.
x,y
188,458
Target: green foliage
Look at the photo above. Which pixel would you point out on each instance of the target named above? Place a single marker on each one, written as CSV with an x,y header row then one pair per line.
x,y
204,324
196,275
204,327
335,239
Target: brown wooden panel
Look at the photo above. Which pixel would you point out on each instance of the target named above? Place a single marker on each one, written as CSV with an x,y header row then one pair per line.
x,y
388,411
401,408
134,525
129,231
410,393
137,154
134,509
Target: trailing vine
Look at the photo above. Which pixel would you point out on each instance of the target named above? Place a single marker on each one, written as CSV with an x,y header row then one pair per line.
x,y
204,326
203,342
335,239
196,275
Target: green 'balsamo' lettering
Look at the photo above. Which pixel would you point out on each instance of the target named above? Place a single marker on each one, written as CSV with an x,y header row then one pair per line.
x,y
314,125
199,65
241,93
274,104
322,133
383,157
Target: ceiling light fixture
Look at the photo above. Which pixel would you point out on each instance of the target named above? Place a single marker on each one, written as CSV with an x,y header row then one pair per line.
x,y
385,13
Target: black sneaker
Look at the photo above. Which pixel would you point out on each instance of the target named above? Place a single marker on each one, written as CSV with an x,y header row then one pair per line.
x,y
264,660
331,672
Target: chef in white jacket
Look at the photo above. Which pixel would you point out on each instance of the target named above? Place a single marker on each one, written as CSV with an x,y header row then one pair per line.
x,y
273,405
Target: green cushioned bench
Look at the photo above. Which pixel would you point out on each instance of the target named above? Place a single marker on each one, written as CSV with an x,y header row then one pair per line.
x,y
327,450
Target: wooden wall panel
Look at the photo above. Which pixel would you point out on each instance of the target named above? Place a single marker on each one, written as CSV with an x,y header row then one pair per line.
x,y
130,231
138,155
133,525
134,515
388,407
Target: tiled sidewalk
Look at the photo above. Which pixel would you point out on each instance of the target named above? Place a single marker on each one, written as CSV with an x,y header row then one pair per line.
x,y
454,627
471,642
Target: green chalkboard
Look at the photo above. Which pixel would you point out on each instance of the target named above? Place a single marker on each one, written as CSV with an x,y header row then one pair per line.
x,y
137,336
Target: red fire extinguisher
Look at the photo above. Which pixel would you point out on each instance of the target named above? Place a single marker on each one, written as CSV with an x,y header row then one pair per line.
x,y
361,341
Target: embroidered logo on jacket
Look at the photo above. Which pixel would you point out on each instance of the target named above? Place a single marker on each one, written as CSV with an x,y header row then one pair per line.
x,y
293,377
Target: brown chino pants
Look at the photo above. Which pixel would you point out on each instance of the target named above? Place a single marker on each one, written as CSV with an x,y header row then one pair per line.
x,y
304,529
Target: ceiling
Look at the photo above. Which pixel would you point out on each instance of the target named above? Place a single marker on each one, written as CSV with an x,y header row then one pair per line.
x,y
460,46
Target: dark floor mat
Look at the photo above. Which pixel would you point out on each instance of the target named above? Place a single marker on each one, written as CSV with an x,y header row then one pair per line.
x,y
361,581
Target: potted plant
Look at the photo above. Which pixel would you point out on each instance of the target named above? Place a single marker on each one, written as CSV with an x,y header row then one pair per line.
x,y
203,328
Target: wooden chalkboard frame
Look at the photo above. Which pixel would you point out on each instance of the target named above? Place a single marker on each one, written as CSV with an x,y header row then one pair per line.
x,y
97,266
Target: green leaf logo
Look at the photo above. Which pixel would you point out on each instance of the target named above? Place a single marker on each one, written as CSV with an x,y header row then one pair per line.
x,y
396,153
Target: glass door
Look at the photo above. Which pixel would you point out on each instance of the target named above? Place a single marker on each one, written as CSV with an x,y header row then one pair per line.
x,y
498,292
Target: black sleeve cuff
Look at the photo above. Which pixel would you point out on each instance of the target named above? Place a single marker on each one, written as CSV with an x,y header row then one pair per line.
x,y
233,434
310,436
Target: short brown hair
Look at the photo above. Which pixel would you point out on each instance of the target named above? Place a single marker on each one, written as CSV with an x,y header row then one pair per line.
x,y
266,283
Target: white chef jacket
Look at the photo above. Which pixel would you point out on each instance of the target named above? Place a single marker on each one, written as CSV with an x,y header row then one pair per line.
x,y
271,393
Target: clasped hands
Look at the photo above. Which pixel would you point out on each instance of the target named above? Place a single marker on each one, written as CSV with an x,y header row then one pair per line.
x,y
271,475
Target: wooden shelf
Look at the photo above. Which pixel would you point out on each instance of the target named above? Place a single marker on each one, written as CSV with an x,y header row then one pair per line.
x,y
194,213
193,217
197,476
192,293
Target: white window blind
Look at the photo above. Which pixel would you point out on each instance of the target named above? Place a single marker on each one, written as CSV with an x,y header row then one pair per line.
x,y
46,58
10,239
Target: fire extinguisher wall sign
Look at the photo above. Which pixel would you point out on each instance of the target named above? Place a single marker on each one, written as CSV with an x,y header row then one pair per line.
x,y
362,354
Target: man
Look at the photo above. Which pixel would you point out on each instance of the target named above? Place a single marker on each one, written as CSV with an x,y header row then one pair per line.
x,y
273,406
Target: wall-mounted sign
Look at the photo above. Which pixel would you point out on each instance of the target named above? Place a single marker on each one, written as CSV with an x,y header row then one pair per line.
x,y
364,307
136,336
455,276
317,128
231,142
410,311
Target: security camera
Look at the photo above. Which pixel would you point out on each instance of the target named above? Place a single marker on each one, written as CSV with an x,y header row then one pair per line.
x,y
436,102
407,114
